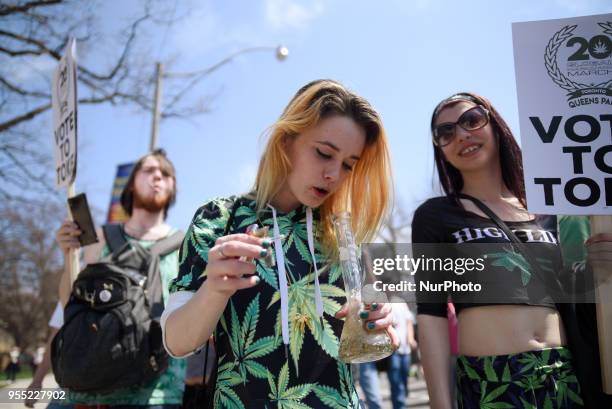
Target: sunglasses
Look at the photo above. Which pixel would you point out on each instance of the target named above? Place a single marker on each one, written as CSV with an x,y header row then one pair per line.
x,y
470,120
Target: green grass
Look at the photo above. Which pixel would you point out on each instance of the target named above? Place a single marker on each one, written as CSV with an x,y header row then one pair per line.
x,y
25,373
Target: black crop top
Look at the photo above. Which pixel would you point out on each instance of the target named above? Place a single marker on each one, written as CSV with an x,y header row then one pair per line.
x,y
505,276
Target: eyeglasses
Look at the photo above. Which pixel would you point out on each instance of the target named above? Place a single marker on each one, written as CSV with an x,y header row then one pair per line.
x,y
470,120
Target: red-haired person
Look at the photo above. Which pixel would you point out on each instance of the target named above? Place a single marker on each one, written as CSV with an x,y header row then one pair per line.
x,y
277,328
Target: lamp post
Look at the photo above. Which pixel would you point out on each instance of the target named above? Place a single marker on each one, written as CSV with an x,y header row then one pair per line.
x,y
281,53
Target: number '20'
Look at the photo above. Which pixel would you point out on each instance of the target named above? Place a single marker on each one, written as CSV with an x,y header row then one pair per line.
x,y
599,47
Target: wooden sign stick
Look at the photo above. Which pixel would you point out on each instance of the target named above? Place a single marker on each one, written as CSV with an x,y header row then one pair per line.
x,y
603,294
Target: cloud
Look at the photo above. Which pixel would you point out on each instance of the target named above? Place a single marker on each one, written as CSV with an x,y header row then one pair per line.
x,y
292,13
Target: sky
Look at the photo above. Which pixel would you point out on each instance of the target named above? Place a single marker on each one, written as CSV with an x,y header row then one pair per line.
x,y
403,56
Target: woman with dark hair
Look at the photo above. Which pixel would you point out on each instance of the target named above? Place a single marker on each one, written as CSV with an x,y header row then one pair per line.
x,y
511,343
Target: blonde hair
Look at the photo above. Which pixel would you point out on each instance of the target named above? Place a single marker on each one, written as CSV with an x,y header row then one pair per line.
x,y
366,193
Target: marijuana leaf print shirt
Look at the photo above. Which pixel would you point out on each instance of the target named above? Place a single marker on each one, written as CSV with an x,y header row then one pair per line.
x,y
255,368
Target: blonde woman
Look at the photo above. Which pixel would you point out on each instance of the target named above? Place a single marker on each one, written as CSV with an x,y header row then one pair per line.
x,y
277,328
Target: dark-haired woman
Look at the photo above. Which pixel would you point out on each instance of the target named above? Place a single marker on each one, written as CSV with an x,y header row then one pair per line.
x,y
512,349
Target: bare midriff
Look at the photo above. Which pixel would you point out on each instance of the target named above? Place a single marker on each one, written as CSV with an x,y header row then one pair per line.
x,y
509,329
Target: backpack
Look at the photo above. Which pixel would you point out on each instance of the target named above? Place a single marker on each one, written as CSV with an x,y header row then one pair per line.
x,y
111,337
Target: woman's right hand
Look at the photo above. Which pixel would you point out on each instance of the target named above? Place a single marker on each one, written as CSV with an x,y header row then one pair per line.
x,y
226,271
67,236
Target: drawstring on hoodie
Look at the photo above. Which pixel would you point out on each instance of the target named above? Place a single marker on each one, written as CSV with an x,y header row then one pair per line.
x,y
282,273
318,299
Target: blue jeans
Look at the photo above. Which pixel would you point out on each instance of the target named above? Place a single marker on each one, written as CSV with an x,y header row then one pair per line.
x,y
58,404
163,406
368,379
399,371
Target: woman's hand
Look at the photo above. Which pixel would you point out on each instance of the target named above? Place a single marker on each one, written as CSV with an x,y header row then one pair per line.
x,y
375,317
599,255
226,271
67,236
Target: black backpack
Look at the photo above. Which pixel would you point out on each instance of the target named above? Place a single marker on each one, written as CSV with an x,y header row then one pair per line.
x,y
111,337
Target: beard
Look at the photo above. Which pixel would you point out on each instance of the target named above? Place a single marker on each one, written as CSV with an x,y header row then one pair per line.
x,y
152,204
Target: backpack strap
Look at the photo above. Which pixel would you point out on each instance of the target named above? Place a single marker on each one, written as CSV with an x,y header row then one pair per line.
x,y
154,285
546,279
168,244
113,234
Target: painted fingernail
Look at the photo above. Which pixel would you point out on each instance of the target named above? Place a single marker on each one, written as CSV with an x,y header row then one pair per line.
x,y
257,279
374,306
263,253
371,325
266,243
363,315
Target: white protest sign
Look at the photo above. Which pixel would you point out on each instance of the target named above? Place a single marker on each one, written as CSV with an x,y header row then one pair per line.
x,y
64,105
564,87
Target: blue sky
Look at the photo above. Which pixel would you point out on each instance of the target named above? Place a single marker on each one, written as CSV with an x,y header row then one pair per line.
x,y
403,56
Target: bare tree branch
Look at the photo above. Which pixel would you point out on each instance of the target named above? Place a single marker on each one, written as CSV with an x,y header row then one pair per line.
x,y
22,91
30,267
11,9
42,47
33,35
14,53
24,117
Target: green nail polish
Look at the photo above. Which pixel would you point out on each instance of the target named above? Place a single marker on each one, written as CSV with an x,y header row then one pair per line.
x,y
266,244
371,325
374,306
363,315
263,253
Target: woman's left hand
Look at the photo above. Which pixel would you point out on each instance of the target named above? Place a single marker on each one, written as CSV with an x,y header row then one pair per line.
x,y
599,254
375,317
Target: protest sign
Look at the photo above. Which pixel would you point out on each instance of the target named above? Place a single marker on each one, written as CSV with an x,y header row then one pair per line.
x,y
64,106
116,212
564,87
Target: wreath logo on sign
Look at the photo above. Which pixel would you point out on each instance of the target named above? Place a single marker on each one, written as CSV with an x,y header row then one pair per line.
x,y
599,48
63,87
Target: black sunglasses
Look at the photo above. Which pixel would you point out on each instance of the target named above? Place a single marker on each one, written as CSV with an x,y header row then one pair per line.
x,y
472,119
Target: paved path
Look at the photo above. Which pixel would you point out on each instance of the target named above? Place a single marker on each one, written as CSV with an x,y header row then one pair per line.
x,y
48,382
417,399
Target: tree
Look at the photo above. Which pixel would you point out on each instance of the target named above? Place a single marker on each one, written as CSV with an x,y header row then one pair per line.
x,y
30,267
34,33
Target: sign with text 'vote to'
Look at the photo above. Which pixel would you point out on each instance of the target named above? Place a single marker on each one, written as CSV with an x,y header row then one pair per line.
x,y
564,86
64,105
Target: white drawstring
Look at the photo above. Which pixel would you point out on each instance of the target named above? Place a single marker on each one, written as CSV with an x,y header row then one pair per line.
x,y
282,272
318,298
282,279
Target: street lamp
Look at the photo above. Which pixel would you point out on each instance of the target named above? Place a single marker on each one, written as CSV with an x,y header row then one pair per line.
x,y
281,53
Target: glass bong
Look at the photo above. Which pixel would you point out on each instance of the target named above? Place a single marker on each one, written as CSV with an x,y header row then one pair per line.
x,y
357,345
